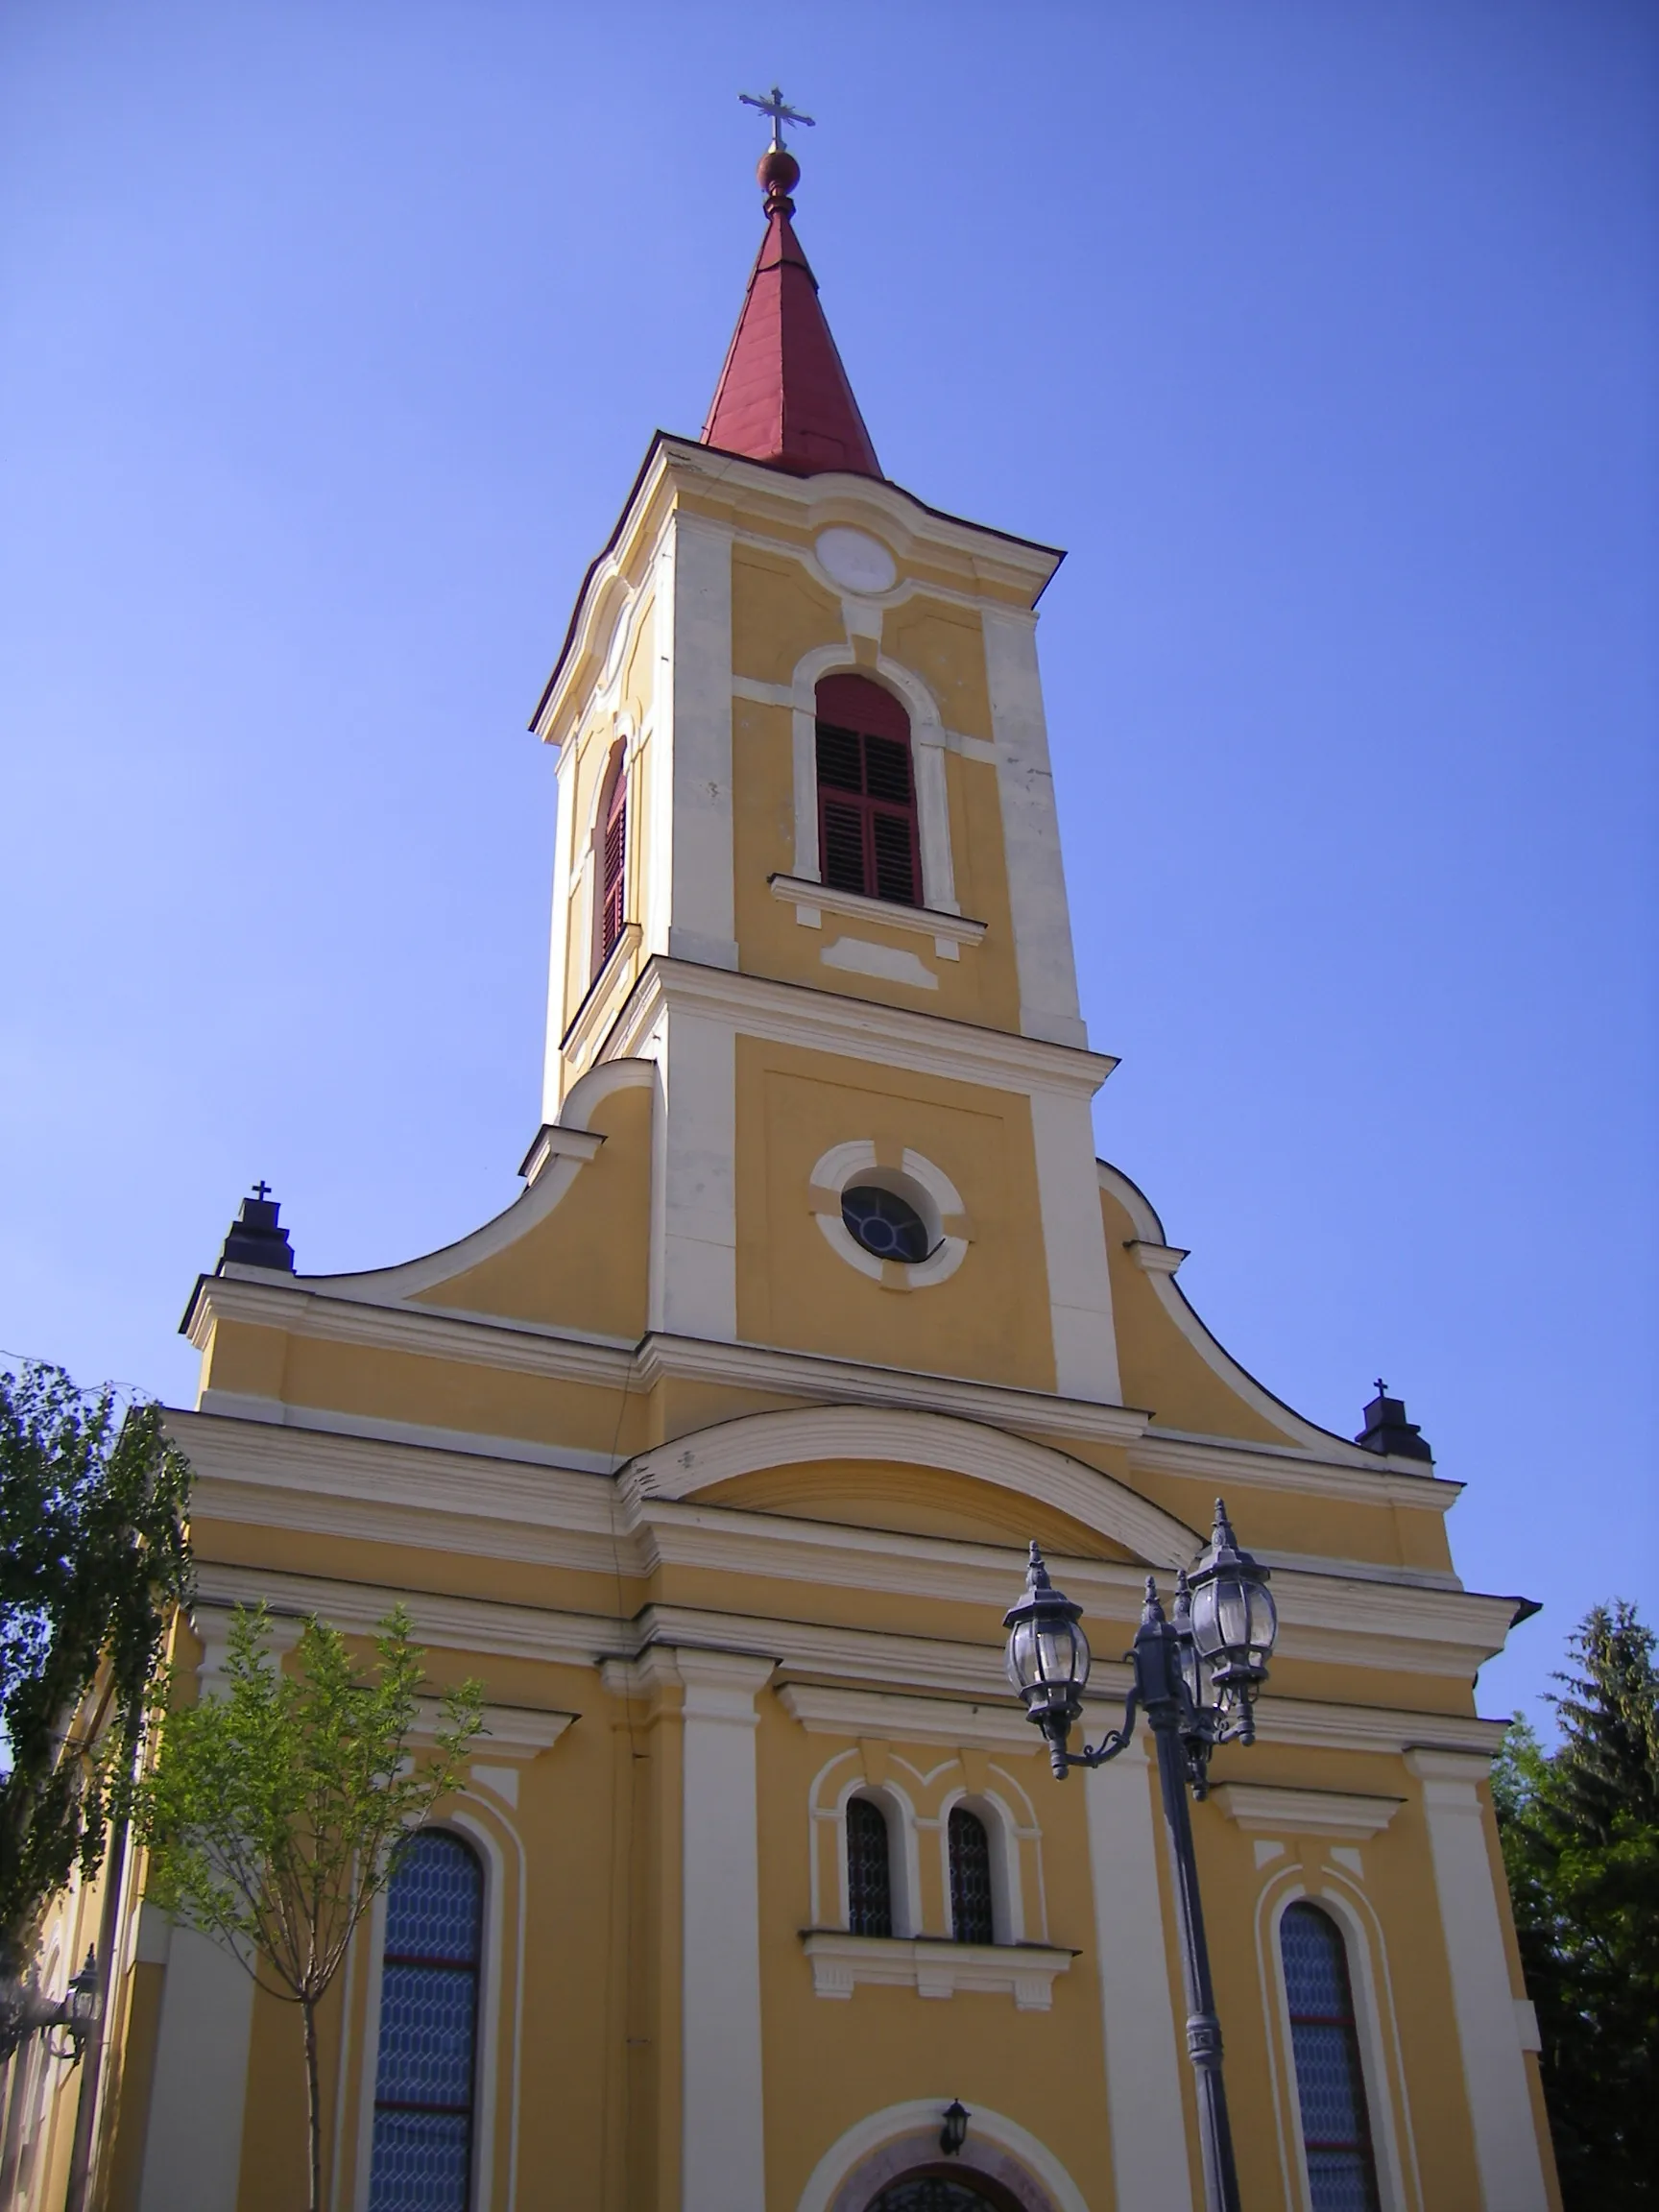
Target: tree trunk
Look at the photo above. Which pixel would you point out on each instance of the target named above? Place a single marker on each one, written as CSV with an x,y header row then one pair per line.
x,y
313,2102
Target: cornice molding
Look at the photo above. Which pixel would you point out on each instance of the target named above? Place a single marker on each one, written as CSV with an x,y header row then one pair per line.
x,y
822,1711
934,1966
1264,1809
1263,1467
804,1652
833,1023
403,1493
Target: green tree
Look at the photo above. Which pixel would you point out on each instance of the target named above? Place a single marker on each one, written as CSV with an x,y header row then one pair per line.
x,y
273,1813
1580,1832
93,1558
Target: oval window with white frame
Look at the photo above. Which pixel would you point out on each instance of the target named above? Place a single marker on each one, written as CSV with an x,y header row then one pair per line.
x,y
892,1214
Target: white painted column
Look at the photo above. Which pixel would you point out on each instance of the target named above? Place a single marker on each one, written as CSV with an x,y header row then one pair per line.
x,y
1043,952
723,2157
558,951
1074,1247
694,1196
702,923
193,2137
1149,2161
1483,2000
933,819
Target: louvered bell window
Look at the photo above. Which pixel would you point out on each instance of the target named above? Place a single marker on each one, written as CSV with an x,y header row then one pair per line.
x,y
423,2085
867,838
1329,2086
972,1920
616,859
869,1871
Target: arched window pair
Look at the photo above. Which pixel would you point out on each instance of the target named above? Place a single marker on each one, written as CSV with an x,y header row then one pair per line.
x,y
870,1874
427,2060
867,834
1325,2044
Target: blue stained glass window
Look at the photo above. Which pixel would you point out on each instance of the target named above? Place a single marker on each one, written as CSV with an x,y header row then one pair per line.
x,y
1330,2087
428,2029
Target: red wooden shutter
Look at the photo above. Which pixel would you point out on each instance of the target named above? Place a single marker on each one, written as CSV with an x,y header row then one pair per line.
x,y
867,836
615,855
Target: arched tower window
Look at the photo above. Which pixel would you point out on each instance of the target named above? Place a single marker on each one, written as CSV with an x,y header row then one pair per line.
x,y
867,837
424,2084
972,1920
612,862
869,1869
1329,2086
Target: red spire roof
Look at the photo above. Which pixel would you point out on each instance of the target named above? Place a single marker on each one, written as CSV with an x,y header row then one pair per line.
x,y
783,395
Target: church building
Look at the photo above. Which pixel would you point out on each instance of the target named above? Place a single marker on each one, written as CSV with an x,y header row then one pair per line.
x,y
716,1455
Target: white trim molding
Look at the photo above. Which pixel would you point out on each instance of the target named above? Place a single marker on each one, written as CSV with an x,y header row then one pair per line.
x,y
723,2159
1377,2034
1264,1809
757,1441
813,900
1507,2147
915,1179
1150,2164
827,1709
934,1966
879,2148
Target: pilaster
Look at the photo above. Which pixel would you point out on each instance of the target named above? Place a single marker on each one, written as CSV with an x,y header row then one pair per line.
x,y
1484,2000
1149,2160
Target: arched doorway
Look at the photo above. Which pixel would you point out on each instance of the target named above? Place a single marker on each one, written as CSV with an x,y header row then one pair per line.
x,y
942,2189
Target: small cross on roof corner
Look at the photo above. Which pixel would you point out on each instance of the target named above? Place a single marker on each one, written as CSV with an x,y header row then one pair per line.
x,y
261,1189
1381,1388
774,107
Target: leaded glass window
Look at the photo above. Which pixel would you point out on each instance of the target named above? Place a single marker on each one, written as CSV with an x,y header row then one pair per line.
x,y
972,1920
869,1874
423,2085
1329,2086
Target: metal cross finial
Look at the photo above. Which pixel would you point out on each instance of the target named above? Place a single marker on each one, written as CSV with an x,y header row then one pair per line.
x,y
261,1189
772,107
1381,1388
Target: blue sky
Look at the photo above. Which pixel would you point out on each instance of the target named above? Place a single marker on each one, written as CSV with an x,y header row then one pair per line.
x,y
1323,335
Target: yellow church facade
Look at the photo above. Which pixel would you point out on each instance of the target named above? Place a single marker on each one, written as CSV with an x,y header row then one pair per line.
x,y
715,1457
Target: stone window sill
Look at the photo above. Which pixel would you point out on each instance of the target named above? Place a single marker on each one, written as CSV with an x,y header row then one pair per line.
x,y
933,1968
811,902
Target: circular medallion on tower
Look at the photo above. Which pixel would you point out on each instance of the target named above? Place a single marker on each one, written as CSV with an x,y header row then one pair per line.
x,y
854,560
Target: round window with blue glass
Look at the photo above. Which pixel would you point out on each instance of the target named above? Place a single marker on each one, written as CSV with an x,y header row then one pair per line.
x,y
887,1226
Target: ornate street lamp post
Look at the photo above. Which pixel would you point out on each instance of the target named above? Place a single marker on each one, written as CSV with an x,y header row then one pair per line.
x,y
1196,1679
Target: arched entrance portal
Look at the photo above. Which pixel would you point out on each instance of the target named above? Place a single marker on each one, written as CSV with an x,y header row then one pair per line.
x,y
942,2189
890,2161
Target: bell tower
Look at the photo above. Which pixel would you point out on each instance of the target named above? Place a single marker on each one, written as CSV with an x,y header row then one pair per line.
x,y
807,851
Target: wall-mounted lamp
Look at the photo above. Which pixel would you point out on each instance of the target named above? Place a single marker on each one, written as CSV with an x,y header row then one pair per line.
x,y
25,2012
954,2133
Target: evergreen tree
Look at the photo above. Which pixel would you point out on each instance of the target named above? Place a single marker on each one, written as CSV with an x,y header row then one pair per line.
x,y
1580,1832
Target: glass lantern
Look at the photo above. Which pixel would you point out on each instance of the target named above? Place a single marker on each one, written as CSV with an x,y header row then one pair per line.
x,y
1235,1621
1048,1651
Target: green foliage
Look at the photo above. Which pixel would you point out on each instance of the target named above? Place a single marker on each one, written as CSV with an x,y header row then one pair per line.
x,y
94,1558
1580,1833
272,1813
276,1811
